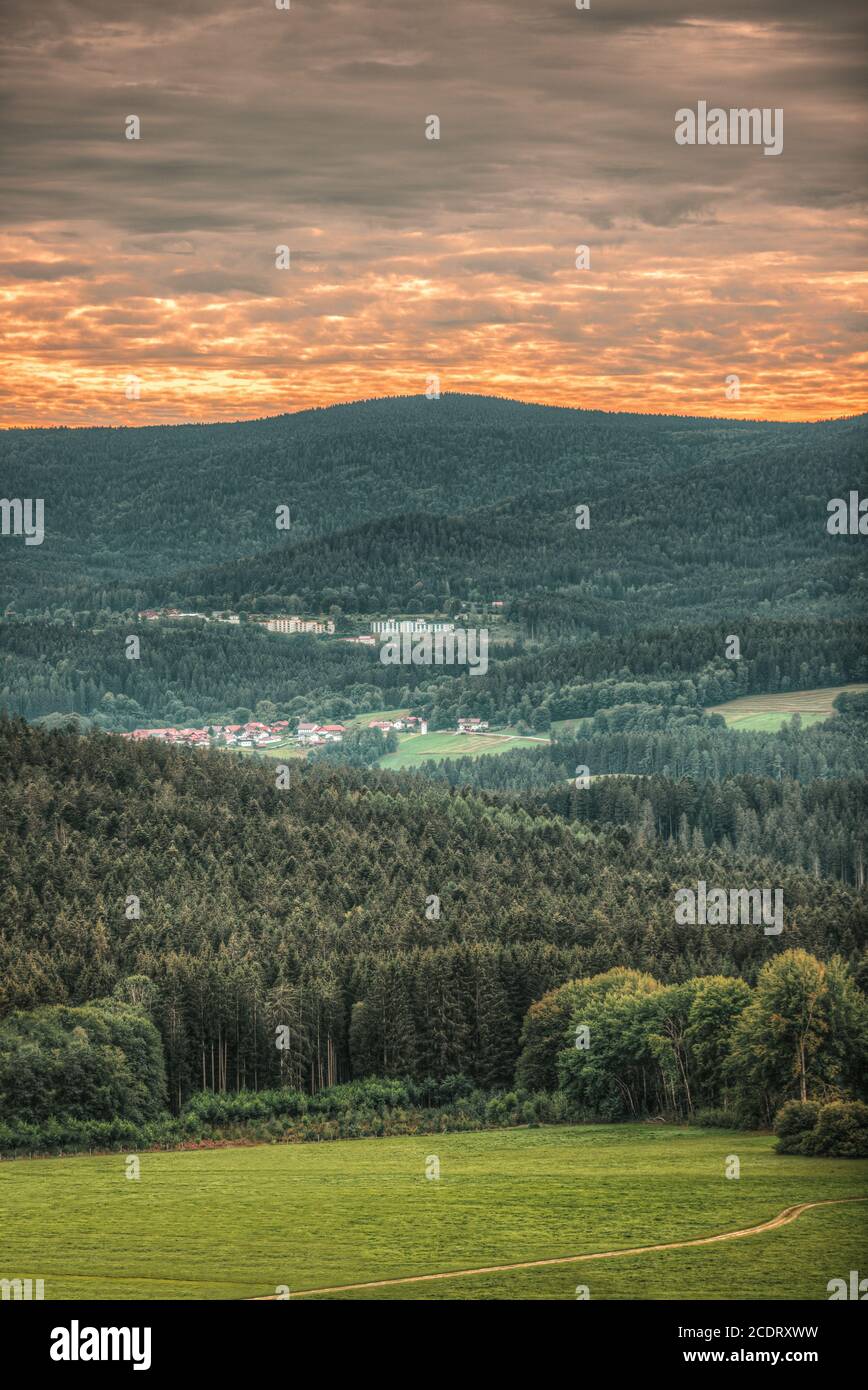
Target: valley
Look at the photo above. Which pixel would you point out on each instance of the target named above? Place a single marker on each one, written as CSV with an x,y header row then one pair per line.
x,y
314,941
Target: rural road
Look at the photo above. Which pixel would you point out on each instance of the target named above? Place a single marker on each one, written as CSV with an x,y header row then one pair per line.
x,y
783,1219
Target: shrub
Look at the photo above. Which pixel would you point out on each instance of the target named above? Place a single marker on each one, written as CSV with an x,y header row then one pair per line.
x,y
794,1123
841,1130
496,1112
838,1129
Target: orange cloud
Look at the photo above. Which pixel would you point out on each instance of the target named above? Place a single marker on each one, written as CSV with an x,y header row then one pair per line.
x,y
153,262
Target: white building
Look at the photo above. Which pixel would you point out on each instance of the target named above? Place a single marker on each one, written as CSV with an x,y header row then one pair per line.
x,y
390,627
294,624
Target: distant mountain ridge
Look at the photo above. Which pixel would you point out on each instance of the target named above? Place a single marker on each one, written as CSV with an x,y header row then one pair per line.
x,y
130,506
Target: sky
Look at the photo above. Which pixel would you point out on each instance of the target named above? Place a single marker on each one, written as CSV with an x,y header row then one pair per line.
x,y
139,279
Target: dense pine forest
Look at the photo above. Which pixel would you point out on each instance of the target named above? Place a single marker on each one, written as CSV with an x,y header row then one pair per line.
x,y
309,908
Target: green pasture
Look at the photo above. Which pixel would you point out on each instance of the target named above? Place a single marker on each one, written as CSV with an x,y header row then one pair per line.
x,y
417,748
769,712
240,1222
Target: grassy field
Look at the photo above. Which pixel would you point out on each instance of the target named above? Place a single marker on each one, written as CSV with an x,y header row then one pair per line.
x,y
792,1262
417,748
363,720
414,748
240,1222
769,712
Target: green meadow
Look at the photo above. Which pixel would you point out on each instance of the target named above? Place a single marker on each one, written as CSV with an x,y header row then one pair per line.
x,y
241,1222
361,721
418,748
795,1261
770,712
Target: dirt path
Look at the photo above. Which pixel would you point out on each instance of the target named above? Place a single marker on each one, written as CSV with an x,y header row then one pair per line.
x,y
786,1216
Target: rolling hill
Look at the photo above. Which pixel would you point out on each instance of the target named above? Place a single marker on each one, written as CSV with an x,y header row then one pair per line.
x,y
498,481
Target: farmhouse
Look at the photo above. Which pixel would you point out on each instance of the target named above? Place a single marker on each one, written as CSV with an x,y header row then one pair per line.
x,y
409,722
319,733
472,726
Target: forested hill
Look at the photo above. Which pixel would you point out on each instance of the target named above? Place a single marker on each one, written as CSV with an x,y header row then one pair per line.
x,y
236,906
704,540
125,507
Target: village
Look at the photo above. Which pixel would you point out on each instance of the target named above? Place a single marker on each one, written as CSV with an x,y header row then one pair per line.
x,y
253,734
308,734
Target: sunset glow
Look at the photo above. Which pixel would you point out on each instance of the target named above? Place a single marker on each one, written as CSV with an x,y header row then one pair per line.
x,y
155,259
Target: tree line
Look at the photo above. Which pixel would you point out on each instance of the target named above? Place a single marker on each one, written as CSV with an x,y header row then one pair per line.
x,y
623,1046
